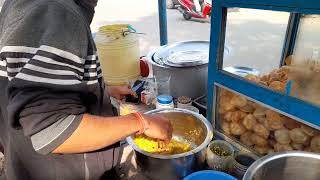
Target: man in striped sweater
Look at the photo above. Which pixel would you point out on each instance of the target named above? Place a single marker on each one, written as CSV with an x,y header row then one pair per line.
x,y
55,114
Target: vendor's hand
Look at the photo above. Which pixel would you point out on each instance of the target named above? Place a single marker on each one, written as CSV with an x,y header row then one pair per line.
x,y
119,92
159,127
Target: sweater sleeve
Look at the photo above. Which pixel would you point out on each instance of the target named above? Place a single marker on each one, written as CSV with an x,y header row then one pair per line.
x,y
44,55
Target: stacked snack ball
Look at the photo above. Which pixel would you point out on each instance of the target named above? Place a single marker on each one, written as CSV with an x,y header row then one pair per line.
x,y
262,129
282,136
246,138
315,144
249,122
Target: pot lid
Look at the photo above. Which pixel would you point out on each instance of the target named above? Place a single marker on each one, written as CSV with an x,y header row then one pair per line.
x,y
187,58
183,54
164,99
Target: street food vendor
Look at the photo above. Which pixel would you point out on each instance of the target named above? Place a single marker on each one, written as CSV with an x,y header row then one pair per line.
x,y
55,118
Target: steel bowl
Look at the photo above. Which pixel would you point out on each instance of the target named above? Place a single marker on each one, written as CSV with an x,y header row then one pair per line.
x,y
285,166
187,126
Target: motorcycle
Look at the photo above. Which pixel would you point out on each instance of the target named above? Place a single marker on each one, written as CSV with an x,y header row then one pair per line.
x,y
188,9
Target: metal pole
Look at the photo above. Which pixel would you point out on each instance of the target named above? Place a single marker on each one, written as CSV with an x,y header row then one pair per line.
x,y
163,22
290,38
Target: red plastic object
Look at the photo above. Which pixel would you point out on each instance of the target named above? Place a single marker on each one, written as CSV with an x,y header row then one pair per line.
x,y
144,68
188,10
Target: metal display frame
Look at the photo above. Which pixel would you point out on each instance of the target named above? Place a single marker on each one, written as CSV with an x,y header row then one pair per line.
x,y
292,107
295,108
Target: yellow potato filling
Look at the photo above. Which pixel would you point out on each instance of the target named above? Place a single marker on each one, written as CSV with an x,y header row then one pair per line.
x,y
155,146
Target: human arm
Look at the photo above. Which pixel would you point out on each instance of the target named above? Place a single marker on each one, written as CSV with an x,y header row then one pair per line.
x,y
100,132
119,92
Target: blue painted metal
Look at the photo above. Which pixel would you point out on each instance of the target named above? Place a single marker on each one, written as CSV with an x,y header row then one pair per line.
x,y
288,88
163,22
214,47
297,4
130,27
291,36
273,8
293,107
294,35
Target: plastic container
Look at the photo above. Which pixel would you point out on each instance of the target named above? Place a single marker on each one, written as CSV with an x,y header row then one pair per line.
x,y
164,101
216,162
208,174
241,164
184,101
119,54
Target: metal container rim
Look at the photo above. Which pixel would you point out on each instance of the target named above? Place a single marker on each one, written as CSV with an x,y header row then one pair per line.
x,y
226,143
202,146
266,159
151,53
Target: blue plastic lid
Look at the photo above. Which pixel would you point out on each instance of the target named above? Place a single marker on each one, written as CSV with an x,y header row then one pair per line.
x,y
209,174
164,99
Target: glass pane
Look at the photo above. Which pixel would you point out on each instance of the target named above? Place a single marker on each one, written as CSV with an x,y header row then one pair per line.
x,y
254,43
304,66
308,38
261,129
254,39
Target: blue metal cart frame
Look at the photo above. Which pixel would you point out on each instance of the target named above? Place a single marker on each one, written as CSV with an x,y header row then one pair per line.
x,y
290,106
162,8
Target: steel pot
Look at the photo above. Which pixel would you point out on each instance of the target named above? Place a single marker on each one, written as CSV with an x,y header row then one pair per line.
x,y
188,71
188,81
188,125
285,166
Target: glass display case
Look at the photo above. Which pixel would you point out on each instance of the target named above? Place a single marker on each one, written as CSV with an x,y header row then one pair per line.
x,y
264,96
254,40
260,128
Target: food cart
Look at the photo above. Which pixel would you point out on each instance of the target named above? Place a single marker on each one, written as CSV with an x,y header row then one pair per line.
x,y
287,98
278,109
294,106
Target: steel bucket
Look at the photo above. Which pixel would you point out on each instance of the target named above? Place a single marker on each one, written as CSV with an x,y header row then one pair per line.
x,y
177,166
293,165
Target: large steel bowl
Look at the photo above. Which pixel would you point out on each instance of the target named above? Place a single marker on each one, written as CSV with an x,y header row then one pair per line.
x,y
285,166
187,125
